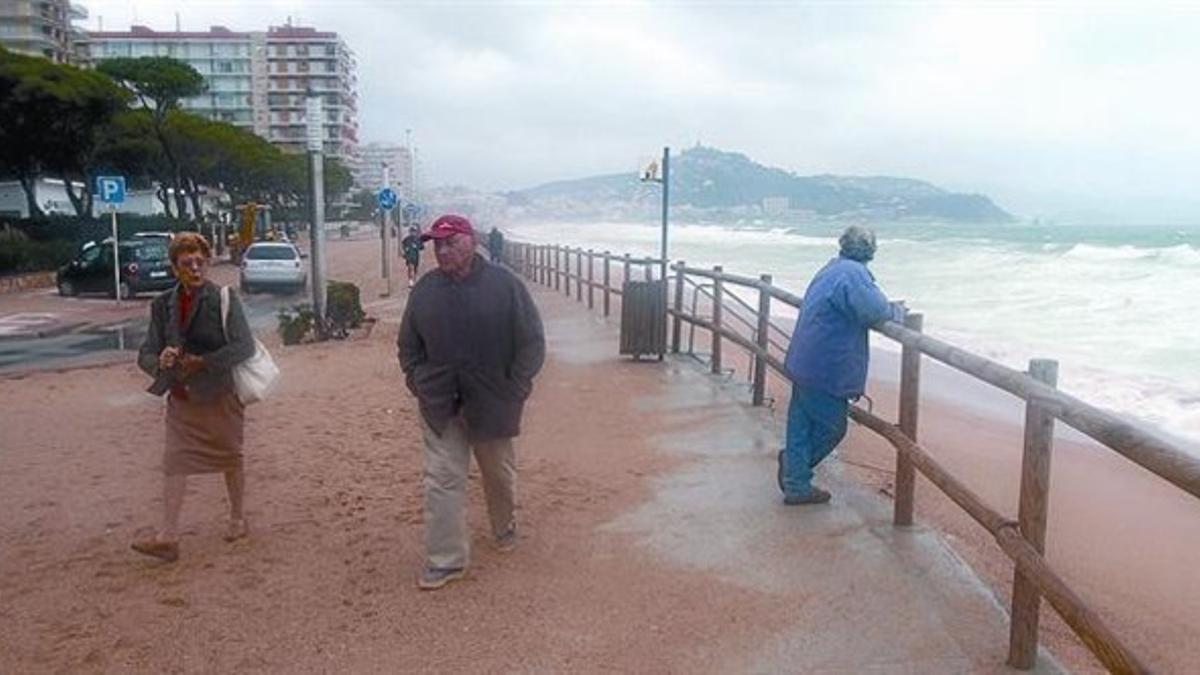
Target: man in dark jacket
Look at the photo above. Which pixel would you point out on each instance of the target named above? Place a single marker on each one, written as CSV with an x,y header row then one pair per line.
x,y
495,244
827,361
470,344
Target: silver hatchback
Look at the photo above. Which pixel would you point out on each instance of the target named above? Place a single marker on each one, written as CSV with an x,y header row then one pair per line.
x,y
272,265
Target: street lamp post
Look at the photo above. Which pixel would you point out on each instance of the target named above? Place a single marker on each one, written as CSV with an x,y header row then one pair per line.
x,y
316,163
651,176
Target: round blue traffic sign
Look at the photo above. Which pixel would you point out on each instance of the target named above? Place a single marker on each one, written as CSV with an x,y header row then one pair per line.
x,y
387,199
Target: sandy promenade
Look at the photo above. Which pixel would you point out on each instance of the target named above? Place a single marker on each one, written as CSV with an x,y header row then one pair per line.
x,y
326,581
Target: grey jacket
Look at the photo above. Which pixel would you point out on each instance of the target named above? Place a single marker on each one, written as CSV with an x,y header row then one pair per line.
x,y
472,347
201,335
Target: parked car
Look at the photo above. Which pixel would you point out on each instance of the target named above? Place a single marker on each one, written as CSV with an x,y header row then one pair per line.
x,y
144,267
268,264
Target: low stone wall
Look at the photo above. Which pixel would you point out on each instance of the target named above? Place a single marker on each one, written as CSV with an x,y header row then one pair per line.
x,y
24,282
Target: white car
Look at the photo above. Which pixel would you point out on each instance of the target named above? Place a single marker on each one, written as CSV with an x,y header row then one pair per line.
x,y
269,264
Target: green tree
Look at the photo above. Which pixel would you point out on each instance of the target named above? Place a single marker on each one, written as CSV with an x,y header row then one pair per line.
x,y
160,84
52,118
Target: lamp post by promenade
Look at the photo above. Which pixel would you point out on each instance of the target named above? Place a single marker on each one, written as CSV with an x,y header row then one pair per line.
x,y
651,175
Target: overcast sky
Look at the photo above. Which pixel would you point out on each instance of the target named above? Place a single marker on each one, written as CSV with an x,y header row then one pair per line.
x,y
1043,106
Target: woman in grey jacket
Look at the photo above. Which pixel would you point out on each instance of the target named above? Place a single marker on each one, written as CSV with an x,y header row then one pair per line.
x,y
191,356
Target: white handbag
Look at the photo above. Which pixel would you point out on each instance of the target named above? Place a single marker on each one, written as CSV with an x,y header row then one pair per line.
x,y
255,377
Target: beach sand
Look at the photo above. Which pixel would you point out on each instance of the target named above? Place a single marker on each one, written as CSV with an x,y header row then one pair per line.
x,y
1125,540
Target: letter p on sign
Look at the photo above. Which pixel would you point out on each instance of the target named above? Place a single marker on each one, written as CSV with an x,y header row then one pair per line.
x,y
111,189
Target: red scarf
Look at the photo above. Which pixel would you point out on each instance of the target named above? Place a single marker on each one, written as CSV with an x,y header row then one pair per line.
x,y
179,390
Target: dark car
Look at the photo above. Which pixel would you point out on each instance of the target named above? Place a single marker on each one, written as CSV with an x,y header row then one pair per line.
x,y
144,267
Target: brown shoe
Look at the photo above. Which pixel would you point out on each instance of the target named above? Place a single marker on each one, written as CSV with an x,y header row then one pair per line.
x,y
167,551
238,529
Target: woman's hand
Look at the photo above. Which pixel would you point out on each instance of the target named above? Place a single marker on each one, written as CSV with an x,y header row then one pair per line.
x,y
168,357
191,364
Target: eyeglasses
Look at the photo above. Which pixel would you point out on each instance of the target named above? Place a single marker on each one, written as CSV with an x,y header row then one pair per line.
x,y
192,262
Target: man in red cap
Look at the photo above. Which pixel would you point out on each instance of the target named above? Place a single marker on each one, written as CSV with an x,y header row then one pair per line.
x,y
470,344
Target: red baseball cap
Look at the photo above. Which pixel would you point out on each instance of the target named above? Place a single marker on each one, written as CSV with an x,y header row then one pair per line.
x,y
447,226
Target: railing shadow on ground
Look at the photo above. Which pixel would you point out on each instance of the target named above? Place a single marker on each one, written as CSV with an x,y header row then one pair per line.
x,y
732,318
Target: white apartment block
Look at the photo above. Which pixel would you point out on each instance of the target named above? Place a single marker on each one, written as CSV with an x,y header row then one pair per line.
x,y
259,80
368,168
44,28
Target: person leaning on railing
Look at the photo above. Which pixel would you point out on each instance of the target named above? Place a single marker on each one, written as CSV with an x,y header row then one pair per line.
x,y
827,361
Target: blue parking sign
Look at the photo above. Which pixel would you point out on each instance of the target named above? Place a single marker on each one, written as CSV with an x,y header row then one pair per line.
x,y
111,189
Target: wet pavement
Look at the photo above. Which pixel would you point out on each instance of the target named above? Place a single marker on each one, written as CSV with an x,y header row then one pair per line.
x,y
72,344
868,597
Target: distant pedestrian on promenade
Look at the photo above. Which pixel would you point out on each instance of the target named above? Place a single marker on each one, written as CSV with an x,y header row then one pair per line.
x,y
495,244
191,358
470,344
827,361
412,246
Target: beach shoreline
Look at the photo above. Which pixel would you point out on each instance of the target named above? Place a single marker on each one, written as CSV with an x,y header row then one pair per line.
x,y
1125,540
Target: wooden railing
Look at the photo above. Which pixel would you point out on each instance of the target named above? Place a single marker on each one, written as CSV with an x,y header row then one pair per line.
x,y
1023,539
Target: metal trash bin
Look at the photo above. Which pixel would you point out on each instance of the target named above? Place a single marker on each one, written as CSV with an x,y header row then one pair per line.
x,y
644,318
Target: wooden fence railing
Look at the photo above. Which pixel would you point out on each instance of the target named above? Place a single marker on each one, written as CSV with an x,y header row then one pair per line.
x,y
1023,539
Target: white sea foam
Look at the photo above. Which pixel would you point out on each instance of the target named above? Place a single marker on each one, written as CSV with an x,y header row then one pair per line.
x,y
1119,315
1107,253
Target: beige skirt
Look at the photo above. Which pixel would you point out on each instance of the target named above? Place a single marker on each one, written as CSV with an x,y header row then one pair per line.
x,y
204,436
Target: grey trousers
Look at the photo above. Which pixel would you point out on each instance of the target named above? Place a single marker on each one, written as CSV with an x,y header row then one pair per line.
x,y
447,460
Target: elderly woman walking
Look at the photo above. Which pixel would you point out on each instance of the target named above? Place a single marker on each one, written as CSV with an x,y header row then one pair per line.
x,y
190,351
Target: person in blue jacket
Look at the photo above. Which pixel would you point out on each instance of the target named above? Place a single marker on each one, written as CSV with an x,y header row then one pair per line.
x,y
827,361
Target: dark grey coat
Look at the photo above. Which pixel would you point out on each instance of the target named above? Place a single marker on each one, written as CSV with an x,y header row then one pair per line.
x,y
472,346
201,335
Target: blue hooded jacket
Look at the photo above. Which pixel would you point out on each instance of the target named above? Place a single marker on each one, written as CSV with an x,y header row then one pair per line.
x,y
829,351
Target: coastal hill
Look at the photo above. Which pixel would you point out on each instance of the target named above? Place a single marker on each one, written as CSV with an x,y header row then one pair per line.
x,y
708,183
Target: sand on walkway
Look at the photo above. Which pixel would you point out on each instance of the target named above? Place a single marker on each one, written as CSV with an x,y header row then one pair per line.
x,y
326,581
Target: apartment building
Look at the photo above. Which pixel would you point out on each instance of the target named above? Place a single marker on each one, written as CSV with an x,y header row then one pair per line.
x,y
259,80
44,28
299,60
367,168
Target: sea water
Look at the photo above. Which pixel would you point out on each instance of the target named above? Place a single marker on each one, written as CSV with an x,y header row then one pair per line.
x,y
1117,306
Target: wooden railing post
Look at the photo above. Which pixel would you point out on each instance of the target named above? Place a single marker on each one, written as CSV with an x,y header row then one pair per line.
x,y
566,270
627,264
591,277
677,323
761,339
557,267
579,274
543,258
648,271
910,394
718,299
607,286
1031,517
